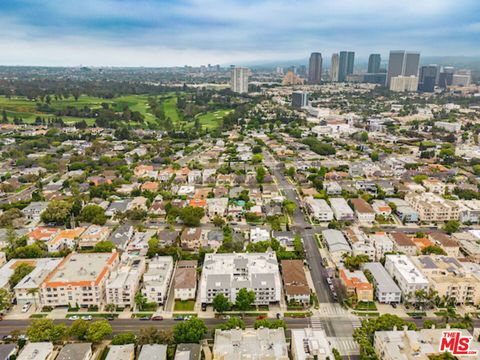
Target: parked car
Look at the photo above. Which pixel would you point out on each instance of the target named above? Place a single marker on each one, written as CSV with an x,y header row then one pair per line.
x,y
73,317
261,317
157,318
144,318
110,318
178,318
26,307
226,317
87,318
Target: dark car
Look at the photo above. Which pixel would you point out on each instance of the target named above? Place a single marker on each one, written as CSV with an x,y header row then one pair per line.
x,y
157,318
178,318
110,318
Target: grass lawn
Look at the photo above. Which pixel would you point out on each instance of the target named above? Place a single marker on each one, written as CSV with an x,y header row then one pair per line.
x,y
169,105
141,314
212,119
187,305
366,306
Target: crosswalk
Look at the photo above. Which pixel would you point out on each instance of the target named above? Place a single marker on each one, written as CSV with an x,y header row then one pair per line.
x,y
332,310
356,322
316,323
345,345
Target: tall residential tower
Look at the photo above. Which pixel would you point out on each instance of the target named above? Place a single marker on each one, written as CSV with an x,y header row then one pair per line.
x,y
239,79
345,66
334,67
315,68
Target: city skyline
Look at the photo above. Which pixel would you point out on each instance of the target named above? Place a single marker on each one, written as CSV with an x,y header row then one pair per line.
x,y
169,33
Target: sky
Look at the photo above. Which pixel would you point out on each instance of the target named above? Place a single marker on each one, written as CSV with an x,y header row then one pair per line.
x,y
194,32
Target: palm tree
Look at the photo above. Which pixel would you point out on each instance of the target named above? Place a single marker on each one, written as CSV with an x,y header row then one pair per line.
x,y
449,314
33,292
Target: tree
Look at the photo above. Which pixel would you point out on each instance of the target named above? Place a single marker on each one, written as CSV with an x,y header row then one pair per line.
x,y
110,307
140,300
220,303
433,249
78,329
19,273
270,324
190,331
10,218
260,177
232,323
124,339
104,246
451,226
152,335
5,299
93,214
98,330
244,299
57,211
289,206
353,263
33,293
218,221
191,215
374,156
336,354
45,330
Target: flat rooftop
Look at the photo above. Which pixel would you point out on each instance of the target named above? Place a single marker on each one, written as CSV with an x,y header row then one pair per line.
x,y
81,269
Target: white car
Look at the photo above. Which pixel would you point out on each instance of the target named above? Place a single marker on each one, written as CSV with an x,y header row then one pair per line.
x,y
87,317
26,307
73,317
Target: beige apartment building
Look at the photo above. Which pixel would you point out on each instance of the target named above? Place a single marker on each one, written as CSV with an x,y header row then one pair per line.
x,y
80,278
449,278
432,207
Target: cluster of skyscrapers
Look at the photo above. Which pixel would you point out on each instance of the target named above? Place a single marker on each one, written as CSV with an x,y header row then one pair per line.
x,y
403,72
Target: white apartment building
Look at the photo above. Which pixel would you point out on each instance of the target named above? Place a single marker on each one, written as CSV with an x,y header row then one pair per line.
x,y
308,344
80,278
228,273
448,126
156,281
406,274
23,290
341,210
363,248
258,234
124,282
318,209
386,291
404,83
382,243
239,79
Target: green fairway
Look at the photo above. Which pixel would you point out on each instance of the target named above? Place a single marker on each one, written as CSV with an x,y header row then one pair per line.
x,y
169,105
212,119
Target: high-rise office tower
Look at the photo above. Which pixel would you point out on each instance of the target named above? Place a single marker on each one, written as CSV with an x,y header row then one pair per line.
x,y
446,76
345,64
239,79
374,63
299,99
428,78
315,68
402,63
334,67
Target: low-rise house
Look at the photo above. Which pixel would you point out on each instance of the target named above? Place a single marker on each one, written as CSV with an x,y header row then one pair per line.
x,y
93,235
123,282
188,352
76,351
42,234
191,239
450,246
213,239
217,207
337,245
185,281
138,202
34,210
37,351
167,237
65,239
308,344
406,274
80,278
381,208
363,211
332,188
386,291
122,235
258,234
153,352
318,209
121,352
139,242
295,283
403,243
285,238
261,344
156,280
355,282
341,210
